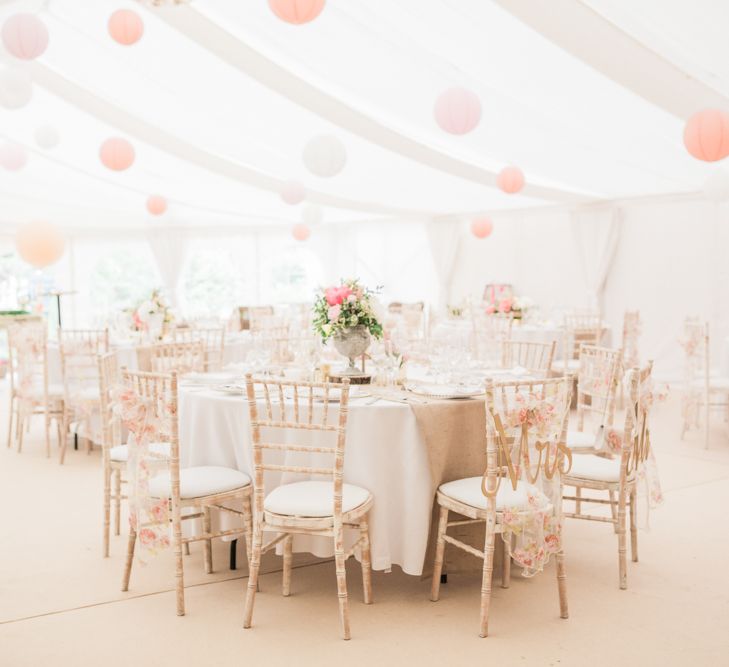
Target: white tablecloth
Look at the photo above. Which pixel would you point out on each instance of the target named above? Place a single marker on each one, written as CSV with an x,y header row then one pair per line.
x,y
385,454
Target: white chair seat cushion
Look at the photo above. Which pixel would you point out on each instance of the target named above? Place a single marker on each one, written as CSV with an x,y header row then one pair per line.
x,y
468,491
580,439
199,481
313,499
120,453
596,468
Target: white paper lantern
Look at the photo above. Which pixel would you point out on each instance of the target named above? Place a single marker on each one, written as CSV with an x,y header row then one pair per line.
x,y
325,156
47,137
16,88
312,215
717,185
293,192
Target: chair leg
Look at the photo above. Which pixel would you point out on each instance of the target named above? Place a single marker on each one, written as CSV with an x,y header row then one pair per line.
x,y
439,555
11,414
562,585
706,425
129,560
64,438
506,565
364,530
339,561
208,544
179,571
117,501
622,566
254,565
578,503
288,557
186,548
488,567
107,508
47,418
613,510
19,429
633,526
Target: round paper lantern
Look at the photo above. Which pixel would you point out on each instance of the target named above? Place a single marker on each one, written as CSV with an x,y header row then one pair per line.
x,y
39,243
325,156
156,204
117,154
510,180
717,185
301,232
25,36
13,156
312,215
482,227
706,135
126,27
296,11
457,111
293,192
16,88
47,137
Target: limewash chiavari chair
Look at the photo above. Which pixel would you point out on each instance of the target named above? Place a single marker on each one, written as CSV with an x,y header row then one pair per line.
x,y
310,507
489,332
148,405
519,495
79,350
213,340
579,329
30,392
181,358
703,388
630,347
618,476
533,356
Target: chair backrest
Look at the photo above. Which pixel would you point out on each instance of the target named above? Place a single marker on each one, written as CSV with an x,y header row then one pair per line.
x,y
489,331
631,338
28,359
598,379
581,328
281,408
86,341
635,442
177,357
80,349
109,379
536,357
213,340
695,343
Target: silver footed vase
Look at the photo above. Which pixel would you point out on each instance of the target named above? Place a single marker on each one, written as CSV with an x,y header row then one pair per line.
x,y
352,343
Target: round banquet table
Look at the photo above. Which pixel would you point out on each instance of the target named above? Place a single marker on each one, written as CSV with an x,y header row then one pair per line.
x,y
385,453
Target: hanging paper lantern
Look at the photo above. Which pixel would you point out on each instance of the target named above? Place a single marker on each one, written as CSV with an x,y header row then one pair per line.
x,y
312,215
126,27
296,11
156,204
47,137
16,88
293,192
717,185
481,227
457,111
117,154
325,156
510,180
706,135
301,232
25,36
13,156
39,243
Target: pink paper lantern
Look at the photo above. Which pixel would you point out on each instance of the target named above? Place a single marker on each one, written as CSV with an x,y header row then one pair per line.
x,y
296,11
706,135
457,111
293,192
13,156
126,27
482,227
25,36
156,204
40,244
510,180
301,232
117,154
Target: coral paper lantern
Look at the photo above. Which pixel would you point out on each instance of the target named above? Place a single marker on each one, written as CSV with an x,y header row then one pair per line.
x,y
13,156
301,232
457,111
156,204
293,192
706,135
47,137
16,88
510,180
296,11
482,227
126,27
25,36
325,156
117,154
40,244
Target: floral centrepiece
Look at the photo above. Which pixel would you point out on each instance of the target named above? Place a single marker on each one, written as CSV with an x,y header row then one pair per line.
x,y
341,308
152,315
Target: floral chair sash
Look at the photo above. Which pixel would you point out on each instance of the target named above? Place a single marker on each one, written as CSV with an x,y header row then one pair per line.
x,y
29,347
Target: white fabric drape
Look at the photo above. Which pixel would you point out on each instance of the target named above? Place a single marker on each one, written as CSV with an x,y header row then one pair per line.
x,y
170,252
445,238
596,231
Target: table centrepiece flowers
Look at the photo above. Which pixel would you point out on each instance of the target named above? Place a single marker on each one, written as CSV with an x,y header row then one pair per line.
x,y
152,316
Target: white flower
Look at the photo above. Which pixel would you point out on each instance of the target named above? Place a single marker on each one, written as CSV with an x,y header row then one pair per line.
x,y
326,328
351,298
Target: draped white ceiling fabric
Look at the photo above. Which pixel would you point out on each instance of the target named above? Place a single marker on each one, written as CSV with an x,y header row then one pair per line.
x,y
219,98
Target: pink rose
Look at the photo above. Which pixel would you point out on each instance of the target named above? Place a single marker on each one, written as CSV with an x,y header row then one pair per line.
x,y
505,305
490,309
334,312
344,293
332,295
